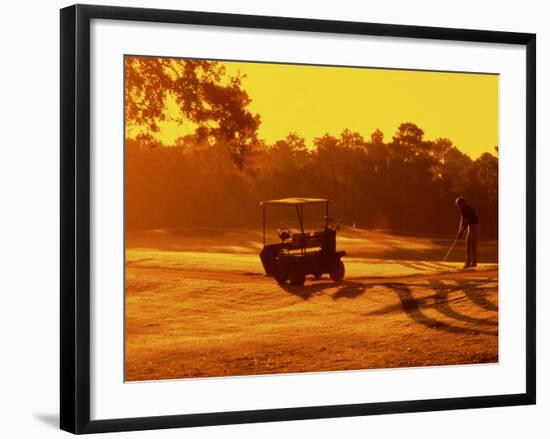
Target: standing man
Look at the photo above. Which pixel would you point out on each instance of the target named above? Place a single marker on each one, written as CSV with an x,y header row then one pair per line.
x,y
468,222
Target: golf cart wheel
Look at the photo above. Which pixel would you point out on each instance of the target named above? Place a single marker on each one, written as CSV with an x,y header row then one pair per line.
x,y
338,272
281,274
297,278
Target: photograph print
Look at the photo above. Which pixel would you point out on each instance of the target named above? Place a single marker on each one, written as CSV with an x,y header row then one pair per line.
x,y
293,218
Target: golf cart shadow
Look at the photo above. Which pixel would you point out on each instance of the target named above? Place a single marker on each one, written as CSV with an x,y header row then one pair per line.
x,y
344,289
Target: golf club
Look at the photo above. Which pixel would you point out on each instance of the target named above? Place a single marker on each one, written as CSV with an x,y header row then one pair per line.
x,y
450,250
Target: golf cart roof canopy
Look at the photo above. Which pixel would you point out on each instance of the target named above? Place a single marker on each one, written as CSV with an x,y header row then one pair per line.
x,y
295,201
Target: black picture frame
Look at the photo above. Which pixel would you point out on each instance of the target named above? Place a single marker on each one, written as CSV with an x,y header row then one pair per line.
x,y
75,218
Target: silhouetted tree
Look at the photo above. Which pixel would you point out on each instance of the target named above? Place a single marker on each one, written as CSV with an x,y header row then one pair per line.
x,y
212,101
377,137
193,183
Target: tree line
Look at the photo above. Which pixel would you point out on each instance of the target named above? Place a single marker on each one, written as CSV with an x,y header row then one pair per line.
x,y
216,176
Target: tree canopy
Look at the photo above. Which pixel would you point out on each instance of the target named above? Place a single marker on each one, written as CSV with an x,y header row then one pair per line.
x,y
217,174
212,101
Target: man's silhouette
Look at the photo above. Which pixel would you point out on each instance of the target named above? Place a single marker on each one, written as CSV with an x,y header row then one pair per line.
x,y
469,223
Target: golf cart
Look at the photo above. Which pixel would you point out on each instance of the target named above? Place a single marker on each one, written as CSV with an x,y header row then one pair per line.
x,y
299,253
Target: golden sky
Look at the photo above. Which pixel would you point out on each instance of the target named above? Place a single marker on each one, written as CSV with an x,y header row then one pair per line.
x,y
314,100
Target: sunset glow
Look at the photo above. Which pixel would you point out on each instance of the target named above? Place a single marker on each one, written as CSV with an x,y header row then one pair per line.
x,y
314,100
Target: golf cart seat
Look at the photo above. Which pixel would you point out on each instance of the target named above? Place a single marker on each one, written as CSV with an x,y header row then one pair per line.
x,y
305,240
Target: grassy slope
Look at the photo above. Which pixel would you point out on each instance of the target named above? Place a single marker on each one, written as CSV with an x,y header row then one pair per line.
x,y
197,305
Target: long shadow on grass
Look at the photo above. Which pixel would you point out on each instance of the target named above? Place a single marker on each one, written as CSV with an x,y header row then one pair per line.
x,y
476,294
442,300
475,291
414,311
